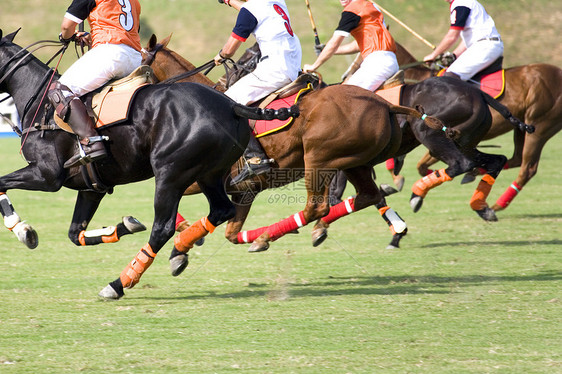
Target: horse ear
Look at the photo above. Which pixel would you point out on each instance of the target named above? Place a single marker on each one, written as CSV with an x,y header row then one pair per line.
x,y
166,40
10,37
151,42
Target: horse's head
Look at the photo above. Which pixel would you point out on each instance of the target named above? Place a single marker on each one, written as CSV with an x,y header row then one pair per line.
x,y
149,52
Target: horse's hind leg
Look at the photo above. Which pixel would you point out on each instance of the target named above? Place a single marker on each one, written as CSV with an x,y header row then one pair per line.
x,y
221,210
368,194
23,231
87,203
529,165
493,164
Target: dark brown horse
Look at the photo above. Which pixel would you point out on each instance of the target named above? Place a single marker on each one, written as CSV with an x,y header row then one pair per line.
x,y
339,128
533,93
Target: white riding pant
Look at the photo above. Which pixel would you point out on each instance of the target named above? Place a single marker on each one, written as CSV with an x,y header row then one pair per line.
x,y
477,57
375,69
265,79
100,65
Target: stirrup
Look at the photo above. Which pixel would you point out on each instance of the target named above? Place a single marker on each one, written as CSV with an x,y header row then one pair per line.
x,y
254,166
83,158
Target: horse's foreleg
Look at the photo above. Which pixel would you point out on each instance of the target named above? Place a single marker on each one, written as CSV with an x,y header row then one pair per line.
x,y
424,163
23,231
422,187
168,193
221,210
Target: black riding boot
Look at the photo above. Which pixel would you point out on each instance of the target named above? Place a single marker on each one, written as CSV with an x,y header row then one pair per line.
x,y
72,111
256,161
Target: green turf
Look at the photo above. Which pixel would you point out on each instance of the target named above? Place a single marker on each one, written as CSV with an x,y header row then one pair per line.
x,y
460,296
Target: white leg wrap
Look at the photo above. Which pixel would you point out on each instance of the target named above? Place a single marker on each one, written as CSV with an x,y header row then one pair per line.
x,y
11,218
106,231
399,224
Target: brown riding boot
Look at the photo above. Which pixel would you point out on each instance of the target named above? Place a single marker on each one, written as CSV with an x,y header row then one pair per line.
x,y
91,147
69,107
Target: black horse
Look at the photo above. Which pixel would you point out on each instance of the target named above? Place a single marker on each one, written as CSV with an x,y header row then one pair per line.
x,y
180,134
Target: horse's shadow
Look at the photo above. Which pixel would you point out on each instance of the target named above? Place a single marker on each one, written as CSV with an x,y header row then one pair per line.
x,y
513,243
364,285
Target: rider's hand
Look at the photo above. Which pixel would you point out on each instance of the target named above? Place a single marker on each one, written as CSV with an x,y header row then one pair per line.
x,y
84,39
219,59
67,41
308,68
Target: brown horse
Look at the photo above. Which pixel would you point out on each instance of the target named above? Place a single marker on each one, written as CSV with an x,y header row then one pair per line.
x,y
339,128
533,93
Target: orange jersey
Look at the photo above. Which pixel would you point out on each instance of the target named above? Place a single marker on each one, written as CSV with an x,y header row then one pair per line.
x,y
365,23
114,23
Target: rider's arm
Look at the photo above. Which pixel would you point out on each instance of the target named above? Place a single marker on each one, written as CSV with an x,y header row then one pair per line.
x,y
448,40
348,49
328,51
68,28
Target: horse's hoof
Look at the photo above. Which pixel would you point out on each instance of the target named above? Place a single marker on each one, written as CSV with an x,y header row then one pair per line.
x,y
399,182
387,189
318,236
200,242
487,214
26,234
258,247
395,242
178,264
468,178
497,208
416,202
109,293
133,225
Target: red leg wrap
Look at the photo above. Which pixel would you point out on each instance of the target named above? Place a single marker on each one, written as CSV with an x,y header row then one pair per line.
x,y
422,186
179,220
132,273
390,164
185,240
285,226
509,194
340,210
250,235
478,201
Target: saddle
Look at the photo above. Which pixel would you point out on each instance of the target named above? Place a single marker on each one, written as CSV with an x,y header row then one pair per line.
x,y
284,97
492,79
391,89
110,104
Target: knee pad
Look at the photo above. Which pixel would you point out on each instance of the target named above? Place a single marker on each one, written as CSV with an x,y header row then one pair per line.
x,y
61,96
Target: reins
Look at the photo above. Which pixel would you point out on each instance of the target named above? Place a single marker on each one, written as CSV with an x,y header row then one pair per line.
x,y
19,57
208,66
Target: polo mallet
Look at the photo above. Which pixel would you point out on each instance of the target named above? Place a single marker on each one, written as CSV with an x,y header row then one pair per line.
x,y
403,25
318,47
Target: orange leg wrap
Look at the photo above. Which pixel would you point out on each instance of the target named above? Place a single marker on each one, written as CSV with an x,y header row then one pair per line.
x,y
132,273
184,240
422,186
478,201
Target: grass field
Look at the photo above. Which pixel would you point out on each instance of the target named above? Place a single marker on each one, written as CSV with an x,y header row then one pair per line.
x,y
460,296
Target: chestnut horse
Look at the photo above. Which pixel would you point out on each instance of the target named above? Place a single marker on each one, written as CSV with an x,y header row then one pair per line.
x,y
533,93
339,128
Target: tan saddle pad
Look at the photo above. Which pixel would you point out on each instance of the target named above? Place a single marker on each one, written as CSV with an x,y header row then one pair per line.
x,y
112,103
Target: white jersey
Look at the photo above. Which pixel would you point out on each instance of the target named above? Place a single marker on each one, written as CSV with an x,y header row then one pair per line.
x,y
269,22
280,64
471,18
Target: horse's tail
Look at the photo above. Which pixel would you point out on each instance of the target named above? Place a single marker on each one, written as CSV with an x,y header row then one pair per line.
x,y
431,122
502,109
265,113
